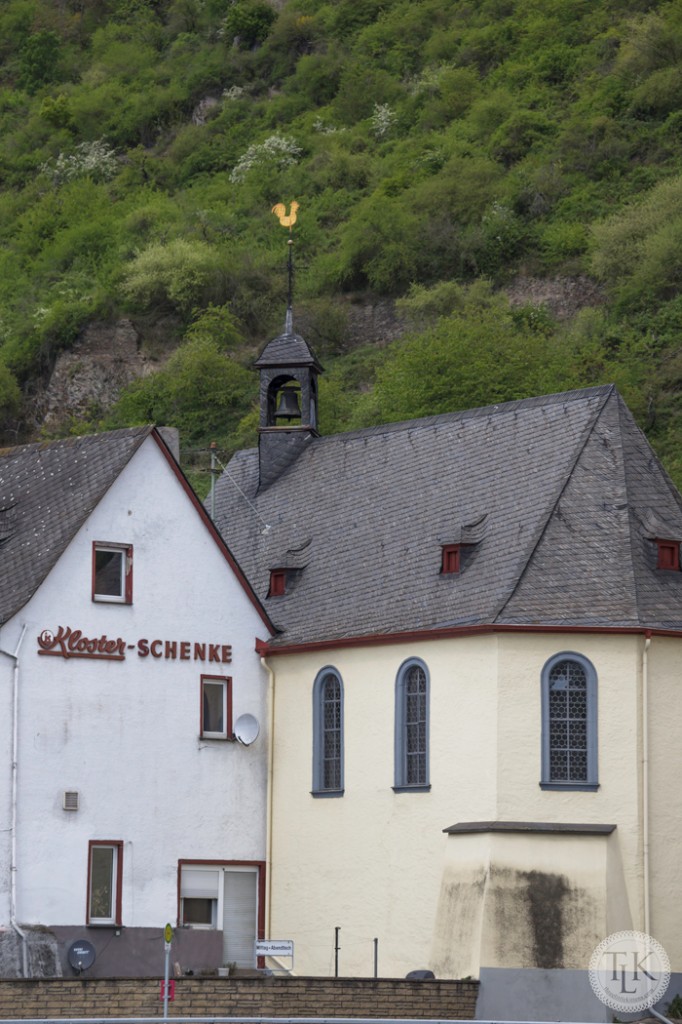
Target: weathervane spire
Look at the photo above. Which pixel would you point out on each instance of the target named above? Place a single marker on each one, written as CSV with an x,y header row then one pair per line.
x,y
287,220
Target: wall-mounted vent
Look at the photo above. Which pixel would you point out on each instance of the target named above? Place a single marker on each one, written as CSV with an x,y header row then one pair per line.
x,y
71,799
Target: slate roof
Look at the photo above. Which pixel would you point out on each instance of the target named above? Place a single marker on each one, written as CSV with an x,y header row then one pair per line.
x,y
558,500
47,491
287,349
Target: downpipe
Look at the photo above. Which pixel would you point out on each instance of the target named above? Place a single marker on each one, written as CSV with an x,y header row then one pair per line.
x,y
645,784
271,760
13,818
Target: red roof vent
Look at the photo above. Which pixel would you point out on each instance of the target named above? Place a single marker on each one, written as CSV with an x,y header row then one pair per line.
x,y
450,558
668,554
278,583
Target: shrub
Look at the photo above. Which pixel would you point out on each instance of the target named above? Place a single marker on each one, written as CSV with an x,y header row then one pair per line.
x,y
39,60
471,358
383,119
639,252
276,151
181,274
10,395
379,248
95,160
248,22
201,390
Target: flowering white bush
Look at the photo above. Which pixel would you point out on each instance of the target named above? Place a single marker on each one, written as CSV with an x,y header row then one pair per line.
x,y
325,129
96,160
382,119
235,92
277,150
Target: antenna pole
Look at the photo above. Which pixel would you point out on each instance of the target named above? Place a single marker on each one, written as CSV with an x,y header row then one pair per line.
x,y
213,447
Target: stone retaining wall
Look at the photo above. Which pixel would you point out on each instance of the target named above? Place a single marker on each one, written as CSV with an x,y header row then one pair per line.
x,y
232,997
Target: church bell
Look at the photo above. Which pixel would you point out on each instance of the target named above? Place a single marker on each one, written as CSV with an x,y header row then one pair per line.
x,y
287,407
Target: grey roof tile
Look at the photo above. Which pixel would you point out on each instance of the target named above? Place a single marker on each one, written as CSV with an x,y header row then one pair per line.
x,y
47,491
562,481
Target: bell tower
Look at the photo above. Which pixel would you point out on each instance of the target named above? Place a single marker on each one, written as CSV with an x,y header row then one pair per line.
x,y
288,389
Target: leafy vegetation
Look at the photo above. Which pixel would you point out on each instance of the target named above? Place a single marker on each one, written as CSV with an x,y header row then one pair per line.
x,y
439,150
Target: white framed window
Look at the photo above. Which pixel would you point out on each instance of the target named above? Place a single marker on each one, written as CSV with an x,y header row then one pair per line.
x,y
569,723
216,707
412,726
227,896
105,873
112,572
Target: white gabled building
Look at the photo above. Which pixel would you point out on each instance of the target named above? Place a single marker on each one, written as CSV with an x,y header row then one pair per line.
x,y
127,633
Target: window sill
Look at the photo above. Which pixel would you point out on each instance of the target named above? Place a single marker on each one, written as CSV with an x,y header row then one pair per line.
x,y
573,787
411,789
103,925
326,794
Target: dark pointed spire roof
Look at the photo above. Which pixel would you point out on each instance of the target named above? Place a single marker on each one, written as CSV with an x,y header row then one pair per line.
x,y
287,349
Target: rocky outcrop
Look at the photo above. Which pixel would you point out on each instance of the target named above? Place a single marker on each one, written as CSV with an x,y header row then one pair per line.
x,y
87,380
563,296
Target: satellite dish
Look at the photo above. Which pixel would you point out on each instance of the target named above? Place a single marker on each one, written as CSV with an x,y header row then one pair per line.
x,y
81,955
246,729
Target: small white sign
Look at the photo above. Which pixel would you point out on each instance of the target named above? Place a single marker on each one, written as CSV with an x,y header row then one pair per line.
x,y
274,947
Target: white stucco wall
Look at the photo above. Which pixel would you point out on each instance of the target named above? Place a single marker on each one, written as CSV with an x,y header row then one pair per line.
x,y
376,863
126,734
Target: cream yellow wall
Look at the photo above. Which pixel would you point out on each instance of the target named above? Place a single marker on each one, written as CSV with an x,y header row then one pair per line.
x,y
371,861
377,863
665,793
617,662
501,911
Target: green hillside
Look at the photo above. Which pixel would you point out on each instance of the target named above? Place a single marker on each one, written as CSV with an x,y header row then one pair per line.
x,y
438,148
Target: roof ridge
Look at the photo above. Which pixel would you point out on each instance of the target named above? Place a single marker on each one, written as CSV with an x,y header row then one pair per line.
x,y
608,390
627,486
501,408
75,439
624,414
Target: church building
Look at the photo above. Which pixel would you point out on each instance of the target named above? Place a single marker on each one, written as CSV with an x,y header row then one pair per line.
x,y
477,686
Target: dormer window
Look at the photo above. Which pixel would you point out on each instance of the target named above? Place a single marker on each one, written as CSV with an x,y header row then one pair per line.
x,y
668,554
450,561
278,583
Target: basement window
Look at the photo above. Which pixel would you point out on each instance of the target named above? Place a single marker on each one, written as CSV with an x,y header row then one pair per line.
x,y
278,583
668,555
450,561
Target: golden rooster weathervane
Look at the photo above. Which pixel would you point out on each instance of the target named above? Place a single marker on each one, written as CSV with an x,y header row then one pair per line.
x,y
287,220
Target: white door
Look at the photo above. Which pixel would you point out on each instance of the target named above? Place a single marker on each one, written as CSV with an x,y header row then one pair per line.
x,y
240,916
